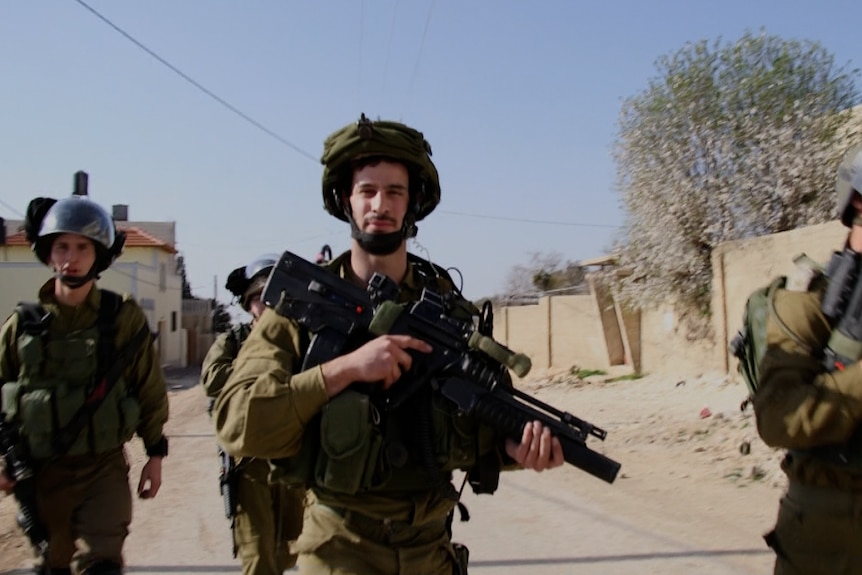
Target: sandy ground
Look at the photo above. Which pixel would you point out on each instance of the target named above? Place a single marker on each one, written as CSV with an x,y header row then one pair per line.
x,y
687,497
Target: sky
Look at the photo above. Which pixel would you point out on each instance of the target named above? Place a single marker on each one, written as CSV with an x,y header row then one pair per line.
x,y
219,124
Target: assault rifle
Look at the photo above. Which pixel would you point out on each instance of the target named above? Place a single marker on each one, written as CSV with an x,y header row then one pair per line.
x,y
227,480
18,469
467,367
842,305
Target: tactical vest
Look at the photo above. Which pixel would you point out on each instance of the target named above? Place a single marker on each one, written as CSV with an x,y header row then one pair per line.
x,y
56,376
354,446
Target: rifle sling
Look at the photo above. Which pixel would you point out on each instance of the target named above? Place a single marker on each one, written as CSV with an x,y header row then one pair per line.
x,y
64,439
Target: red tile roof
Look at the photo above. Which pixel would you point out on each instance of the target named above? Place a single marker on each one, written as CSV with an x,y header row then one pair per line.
x,y
135,238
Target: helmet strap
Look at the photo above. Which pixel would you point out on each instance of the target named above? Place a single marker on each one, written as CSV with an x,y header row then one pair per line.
x,y
76,282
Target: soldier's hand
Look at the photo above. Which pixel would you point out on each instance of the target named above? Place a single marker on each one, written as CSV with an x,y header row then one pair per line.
x,y
6,482
383,359
151,478
538,449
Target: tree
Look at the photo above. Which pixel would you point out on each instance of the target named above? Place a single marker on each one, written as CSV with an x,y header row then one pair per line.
x,y
181,271
729,141
221,317
545,273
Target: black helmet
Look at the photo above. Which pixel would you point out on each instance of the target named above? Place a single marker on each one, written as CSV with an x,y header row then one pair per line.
x,y
245,281
47,218
849,182
382,139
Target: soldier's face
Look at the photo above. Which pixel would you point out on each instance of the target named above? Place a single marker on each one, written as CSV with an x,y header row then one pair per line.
x,y
256,306
72,255
380,197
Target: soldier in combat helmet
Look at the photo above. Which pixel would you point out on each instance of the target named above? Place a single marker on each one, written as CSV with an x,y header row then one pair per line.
x,y
811,405
73,416
267,517
379,509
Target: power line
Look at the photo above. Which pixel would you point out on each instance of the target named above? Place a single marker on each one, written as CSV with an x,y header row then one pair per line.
x,y
141,280
529,221
389,46
421,48
11,209
198,85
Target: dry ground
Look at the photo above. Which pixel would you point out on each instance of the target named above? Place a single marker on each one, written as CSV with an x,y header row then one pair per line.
x,y
687,498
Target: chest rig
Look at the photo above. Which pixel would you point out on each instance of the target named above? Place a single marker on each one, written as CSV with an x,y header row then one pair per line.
x,y
59,374
358,445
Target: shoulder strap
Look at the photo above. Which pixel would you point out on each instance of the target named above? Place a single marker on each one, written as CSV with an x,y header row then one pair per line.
x,y
109,307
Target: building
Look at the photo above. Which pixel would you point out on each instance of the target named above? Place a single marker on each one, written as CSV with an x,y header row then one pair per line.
x,y
146,270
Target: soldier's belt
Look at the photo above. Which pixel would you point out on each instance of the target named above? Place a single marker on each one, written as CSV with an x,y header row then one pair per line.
x,y
377,529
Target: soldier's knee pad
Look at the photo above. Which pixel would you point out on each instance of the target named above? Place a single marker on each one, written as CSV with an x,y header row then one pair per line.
x,y
104,568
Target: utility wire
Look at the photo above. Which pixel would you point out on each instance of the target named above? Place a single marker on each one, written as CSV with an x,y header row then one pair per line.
x,y
529,221
11,209
359,55
419,56
198,85
280,138
389,46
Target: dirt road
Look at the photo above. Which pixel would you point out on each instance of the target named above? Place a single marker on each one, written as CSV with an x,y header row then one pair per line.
x,y
686,500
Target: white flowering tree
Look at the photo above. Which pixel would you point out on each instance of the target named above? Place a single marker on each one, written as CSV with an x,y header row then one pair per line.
x,y
729,141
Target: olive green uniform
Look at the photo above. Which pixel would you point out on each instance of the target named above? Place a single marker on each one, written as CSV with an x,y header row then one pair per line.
x,y
84,497
267,516
375,513
802,408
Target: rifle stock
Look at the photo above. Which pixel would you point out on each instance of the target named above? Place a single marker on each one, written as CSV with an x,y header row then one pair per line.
x,y
469,367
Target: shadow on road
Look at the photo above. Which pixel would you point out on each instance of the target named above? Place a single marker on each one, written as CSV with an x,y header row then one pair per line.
x,y
618,558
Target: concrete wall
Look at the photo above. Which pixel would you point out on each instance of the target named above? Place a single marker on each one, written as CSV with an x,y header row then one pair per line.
x,y
741,267
593,332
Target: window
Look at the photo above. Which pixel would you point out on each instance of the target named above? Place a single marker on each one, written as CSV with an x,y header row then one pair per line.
x,y
163,277
173,321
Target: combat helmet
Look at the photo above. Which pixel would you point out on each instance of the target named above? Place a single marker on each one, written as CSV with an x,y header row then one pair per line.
x,y
849,182
247,280
384,139
48,218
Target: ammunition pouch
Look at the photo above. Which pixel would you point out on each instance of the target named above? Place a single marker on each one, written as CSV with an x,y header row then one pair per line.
x,y
344,450
53,386
350,444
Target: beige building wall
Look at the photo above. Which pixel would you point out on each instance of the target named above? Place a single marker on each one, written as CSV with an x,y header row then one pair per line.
x,y
589,331
665,347
557,332
147,274
741,267
571,345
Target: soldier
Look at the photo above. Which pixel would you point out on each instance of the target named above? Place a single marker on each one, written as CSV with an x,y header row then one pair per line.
x,y
267,516
811,405
73,414
379,508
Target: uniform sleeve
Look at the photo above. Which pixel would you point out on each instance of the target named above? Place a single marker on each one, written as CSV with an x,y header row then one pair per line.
x,y
144,375
798,404
218,364
264,406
